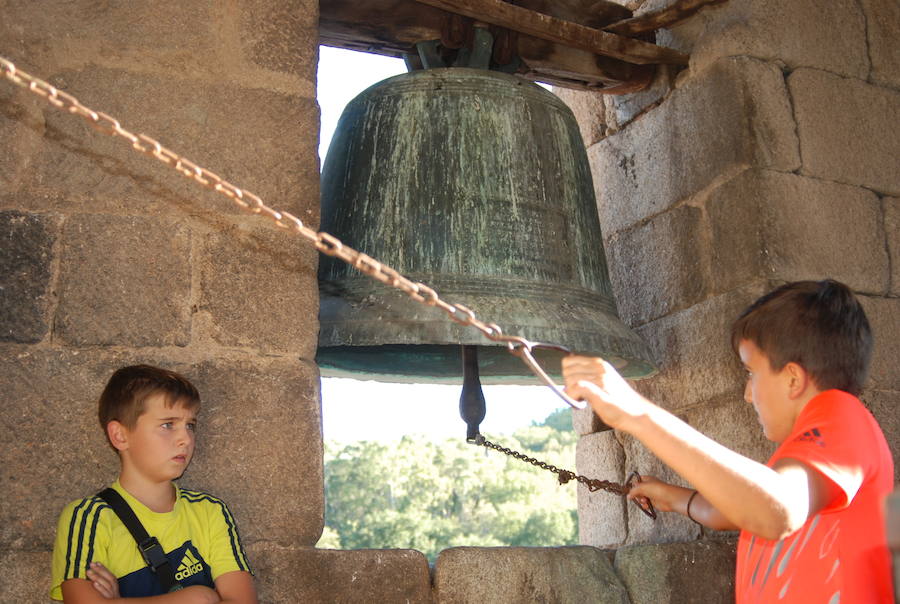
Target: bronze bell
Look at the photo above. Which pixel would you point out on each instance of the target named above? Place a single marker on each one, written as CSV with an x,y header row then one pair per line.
x,y
476,183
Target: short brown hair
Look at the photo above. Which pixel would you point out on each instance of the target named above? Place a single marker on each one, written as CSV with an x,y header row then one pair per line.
x,y
123,398
820,325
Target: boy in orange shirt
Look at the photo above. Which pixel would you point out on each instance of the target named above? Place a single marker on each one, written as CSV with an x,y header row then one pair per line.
x,y
811,518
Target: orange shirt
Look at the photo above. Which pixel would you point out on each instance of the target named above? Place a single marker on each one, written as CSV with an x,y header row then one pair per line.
x,y
841,553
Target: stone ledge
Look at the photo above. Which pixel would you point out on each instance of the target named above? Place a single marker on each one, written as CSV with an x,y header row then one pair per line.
x,y
519,574
700,571
323,576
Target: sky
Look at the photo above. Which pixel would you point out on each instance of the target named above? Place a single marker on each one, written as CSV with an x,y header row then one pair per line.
x,y
355,410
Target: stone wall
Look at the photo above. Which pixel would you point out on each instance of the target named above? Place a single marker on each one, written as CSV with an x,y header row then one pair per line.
x,y
772,158
109,258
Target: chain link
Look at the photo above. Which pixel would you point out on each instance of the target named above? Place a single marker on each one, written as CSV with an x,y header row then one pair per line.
x,y
249,202
563,476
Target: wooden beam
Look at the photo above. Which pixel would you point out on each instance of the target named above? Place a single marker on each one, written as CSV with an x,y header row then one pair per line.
x,y
539,25
665,17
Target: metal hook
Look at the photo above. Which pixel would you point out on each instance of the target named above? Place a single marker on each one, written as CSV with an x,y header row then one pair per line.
x,y
522,348
649,509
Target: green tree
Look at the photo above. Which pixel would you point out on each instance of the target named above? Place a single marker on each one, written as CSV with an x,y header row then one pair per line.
x,y
432,495
560,420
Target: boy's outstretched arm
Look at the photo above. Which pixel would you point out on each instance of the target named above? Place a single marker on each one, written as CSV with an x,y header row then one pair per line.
x,y
768,502
672,498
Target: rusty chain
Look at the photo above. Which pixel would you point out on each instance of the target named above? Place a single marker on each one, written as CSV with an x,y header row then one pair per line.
x,y
328,245
249,202
565,476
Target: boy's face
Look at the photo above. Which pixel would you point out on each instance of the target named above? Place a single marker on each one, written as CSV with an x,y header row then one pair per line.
x,y
768,391
161,444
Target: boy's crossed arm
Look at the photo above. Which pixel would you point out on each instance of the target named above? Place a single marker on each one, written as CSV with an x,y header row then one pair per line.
x,y
234,587
737,492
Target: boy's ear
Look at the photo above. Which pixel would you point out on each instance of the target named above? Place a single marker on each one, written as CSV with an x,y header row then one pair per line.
x,y
118,435
798,380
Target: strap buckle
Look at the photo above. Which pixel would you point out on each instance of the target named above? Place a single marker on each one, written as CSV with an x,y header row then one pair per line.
x,y
152,553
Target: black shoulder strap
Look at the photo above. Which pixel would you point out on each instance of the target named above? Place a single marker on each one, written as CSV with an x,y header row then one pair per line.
x,y
150,549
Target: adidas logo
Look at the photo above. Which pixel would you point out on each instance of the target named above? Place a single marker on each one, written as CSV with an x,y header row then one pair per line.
x,y
812,436
189,566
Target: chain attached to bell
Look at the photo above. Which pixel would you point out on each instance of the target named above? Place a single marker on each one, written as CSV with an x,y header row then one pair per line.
x,y
472,410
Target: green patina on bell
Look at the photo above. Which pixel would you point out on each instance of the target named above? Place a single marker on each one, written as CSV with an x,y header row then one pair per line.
x,y
476,183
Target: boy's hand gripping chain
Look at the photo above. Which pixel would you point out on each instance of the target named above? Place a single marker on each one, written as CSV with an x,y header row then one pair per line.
x,y
323,242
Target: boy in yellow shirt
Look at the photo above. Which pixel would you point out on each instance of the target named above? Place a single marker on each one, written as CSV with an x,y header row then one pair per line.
x,y
149,417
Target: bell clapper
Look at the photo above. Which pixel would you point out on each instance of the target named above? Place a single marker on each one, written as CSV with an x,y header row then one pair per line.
x,y
471,399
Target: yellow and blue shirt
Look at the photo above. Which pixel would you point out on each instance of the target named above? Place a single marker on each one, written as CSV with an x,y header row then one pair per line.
x,y
199,536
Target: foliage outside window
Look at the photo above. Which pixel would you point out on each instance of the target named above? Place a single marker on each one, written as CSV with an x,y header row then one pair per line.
x,y
429,496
